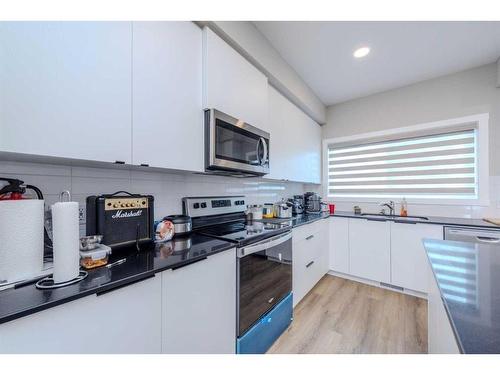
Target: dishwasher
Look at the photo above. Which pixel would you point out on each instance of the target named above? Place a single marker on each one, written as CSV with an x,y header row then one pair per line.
x,y
468,234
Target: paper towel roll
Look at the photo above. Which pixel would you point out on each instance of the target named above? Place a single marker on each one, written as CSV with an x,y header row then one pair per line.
x,y
65,233
21,239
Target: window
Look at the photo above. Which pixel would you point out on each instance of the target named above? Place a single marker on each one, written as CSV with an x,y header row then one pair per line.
x,y
427,163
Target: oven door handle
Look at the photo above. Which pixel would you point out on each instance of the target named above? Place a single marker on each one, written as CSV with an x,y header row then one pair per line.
x,y
259,246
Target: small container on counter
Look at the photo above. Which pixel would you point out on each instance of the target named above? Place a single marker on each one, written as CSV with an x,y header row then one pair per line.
x,y
95,258
268,211
254,212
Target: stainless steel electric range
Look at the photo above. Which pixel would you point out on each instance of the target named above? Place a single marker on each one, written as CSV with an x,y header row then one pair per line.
x,y
264,267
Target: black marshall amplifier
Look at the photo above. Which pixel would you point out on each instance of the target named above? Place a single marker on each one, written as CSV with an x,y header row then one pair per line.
x,y
122,218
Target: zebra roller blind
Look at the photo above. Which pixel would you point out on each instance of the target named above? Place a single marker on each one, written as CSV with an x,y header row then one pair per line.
x,y
432,166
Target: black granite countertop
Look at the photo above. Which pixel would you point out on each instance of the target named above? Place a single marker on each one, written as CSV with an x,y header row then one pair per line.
x,y
16,303
299,220
454,221
468,276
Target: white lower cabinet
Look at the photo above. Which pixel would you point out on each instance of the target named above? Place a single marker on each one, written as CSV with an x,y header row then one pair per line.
x,y
339,244
199,306
310,257
124,320
370,249
441,339
409,265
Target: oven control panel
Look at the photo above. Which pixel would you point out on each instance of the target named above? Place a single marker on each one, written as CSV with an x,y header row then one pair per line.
x,y
206,206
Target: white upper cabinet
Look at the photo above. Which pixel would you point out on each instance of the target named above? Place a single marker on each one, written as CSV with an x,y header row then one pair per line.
x,y
231,84
295,146
167,89
65,89
409,263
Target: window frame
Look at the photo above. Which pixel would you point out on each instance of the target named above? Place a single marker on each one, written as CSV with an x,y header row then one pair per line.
x,y
482,161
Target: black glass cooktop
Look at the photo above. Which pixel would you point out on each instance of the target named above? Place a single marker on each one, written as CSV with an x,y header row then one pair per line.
x,y
244,232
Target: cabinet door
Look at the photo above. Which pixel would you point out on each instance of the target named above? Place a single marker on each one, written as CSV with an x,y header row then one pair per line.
x,y
409,265
232,84
370,249
65,89
295,148
441,339
167,108
125,320
339,244
199,307
308,263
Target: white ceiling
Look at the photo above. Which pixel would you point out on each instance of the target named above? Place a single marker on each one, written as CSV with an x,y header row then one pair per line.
x,y
401,52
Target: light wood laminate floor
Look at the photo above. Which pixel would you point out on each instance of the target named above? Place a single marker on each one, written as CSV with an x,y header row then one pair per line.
x,y
344,316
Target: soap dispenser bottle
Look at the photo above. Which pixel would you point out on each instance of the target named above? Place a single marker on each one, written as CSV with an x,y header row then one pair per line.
x,y
404,208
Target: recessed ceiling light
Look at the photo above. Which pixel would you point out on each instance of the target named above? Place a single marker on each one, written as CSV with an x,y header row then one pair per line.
x,y
361,52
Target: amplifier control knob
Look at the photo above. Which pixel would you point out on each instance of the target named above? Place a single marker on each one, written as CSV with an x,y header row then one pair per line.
x,y
115,205
132,204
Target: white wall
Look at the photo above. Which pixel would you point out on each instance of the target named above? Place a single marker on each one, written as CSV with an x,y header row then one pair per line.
x,y
251,43
167,188
469,92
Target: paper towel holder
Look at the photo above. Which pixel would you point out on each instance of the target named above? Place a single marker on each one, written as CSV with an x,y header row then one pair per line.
x,y
63,194
48,282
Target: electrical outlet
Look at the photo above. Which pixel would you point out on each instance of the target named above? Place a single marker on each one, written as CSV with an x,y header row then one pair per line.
x,y
81,215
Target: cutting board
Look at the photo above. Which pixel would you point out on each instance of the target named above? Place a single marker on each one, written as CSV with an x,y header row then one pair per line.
x,y
492,221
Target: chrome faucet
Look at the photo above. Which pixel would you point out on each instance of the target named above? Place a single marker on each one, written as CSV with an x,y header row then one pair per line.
x,y
390,206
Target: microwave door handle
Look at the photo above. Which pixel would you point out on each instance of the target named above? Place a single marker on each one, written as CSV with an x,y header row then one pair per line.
x,y
266,156
259,162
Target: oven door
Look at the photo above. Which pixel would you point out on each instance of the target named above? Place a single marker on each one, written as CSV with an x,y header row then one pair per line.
x,y
264,278
234,145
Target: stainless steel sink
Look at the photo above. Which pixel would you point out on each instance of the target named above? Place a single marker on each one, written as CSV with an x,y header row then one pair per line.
x,y
397,217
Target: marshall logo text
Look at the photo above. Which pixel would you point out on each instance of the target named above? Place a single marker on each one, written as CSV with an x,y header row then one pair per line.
x,y
121,215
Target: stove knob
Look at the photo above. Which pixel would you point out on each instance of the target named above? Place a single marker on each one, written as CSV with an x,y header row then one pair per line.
x,y
204,205
196,205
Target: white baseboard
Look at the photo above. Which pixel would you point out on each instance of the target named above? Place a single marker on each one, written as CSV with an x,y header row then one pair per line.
x,y
377,284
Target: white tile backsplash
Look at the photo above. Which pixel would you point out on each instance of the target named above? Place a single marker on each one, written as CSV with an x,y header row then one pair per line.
x,y
167,188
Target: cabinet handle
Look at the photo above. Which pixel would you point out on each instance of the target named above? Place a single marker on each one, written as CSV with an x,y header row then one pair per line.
x,y
309,237
405,222
310,264
144,165
379,220
119,162
113,288
188,264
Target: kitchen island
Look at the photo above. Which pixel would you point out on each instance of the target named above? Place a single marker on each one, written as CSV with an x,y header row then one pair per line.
x,y
465,284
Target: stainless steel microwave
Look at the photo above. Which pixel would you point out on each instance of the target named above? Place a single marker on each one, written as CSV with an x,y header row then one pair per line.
x,y
234,147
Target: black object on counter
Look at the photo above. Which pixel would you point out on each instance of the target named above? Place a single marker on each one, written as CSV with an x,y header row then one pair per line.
x,y
121,218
